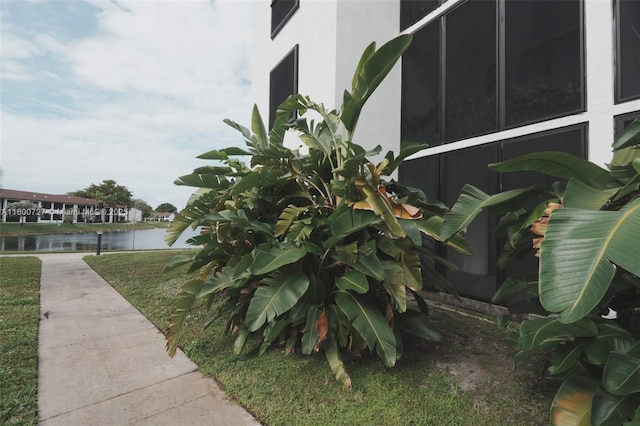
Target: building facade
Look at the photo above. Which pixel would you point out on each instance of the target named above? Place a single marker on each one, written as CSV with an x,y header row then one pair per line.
x,y
53,208
483,81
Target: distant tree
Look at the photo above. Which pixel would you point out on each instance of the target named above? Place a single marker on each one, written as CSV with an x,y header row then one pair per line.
x,y
22,209
108,193
143,206
167,207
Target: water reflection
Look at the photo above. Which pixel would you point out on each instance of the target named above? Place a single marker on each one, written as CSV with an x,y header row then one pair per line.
x,y
144,239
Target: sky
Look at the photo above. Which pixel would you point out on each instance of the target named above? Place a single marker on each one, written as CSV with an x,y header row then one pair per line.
x,y
126,90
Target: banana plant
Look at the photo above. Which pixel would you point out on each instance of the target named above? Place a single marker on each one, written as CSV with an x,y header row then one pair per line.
x,y
319,252
586,235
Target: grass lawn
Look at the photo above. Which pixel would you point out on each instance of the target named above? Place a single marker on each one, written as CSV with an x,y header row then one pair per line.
x,y
19,317
15,229
467,379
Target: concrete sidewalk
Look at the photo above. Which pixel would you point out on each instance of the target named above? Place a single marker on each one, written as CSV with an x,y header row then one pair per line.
x,y
101,362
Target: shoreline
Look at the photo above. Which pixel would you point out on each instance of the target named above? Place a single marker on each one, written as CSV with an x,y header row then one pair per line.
x,y
32,229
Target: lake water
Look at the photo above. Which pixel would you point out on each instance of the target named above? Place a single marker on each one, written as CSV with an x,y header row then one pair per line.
x,y
143,239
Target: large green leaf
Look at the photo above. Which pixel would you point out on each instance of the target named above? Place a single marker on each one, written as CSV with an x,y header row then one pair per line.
x,y
417,324
221,280
621,374
370,324
269,259
565,357
276,296
394,282
613,410
337,366
310,333
176,262
257,126
572,403
406,149
412,270
579,195
611,338
271,332
239,219
353,280
373,67
191,216
348,222
199,180
472,201
315,137
245,132
185,300
577,256
256,179
559,164
542,333
368,261
240,341
222,154
433,227
287,217
630,137
382,207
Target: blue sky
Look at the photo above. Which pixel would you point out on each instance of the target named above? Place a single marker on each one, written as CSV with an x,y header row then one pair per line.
x,y
123,90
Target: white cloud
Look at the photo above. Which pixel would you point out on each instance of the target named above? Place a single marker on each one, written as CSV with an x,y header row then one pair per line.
x,y
17,48
135,101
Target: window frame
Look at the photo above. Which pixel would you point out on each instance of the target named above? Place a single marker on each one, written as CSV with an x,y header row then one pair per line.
x,y
403,3
618,121
276,27
273,107
617,90
502,69
500,74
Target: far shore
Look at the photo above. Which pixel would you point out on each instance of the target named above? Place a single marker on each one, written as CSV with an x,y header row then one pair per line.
x,y
25,229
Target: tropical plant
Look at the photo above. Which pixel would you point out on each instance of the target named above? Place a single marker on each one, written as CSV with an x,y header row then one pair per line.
x,y
587,233
315,251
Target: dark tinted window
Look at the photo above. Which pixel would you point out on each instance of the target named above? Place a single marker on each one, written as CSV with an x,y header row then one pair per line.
x,y
423,173
470,70
533,58
571,140
476,273
628,51
421,87
281,11
623,121
411,11
283,82
543,59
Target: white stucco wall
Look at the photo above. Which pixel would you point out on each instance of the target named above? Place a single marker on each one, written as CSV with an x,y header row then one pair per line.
x,y
331,36
313,28
359,23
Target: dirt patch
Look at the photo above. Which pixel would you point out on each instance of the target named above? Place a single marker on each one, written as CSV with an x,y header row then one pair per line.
x,y
479,357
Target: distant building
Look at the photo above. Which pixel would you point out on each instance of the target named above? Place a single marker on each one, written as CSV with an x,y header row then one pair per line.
x,y
52,208
162,216
134,215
